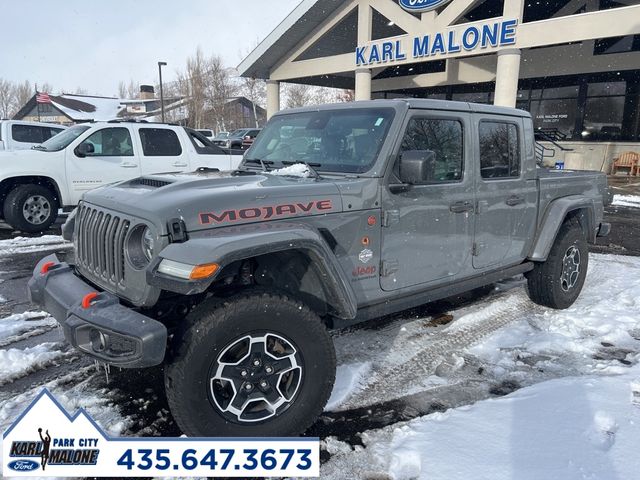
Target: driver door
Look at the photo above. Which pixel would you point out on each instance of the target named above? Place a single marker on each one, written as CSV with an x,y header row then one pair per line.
x,y
113,160
428,227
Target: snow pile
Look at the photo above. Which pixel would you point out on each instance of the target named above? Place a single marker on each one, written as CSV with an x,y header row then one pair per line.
x,y
348,379
598,333
44,243
627,200
296,170
573,428
22,325
16,363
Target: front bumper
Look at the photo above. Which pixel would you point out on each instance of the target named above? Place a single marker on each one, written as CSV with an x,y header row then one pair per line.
x,y
103,329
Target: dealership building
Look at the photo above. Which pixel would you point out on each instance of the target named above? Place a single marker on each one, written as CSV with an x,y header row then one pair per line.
x,y
575,65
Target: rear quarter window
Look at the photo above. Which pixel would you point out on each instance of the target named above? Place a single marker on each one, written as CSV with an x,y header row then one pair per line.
x,y
28,133
160,142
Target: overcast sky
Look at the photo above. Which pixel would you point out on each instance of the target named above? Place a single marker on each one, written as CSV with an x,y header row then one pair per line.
x,y
94,44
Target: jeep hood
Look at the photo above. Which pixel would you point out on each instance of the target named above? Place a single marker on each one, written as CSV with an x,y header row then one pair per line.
x,y
215,199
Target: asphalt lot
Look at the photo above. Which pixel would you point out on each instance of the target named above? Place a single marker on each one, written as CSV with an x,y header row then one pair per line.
x,y
135,399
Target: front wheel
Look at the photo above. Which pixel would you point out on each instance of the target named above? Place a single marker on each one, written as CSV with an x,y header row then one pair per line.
x,y
30,208
257,364
558,281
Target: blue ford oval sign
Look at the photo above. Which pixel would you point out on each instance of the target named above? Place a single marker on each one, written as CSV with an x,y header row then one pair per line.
x,y
23,465
421,5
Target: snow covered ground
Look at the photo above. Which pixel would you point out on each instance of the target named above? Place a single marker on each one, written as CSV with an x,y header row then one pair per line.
x,y
583,425
489,387
627,200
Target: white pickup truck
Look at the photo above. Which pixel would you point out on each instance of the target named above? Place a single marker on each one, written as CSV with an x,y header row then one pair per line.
x,y
35,183
20,135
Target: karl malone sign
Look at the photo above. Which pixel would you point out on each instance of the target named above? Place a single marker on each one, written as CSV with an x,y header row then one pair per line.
x,y
462,39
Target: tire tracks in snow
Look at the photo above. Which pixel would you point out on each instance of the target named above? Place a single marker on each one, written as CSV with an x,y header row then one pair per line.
x,y
393,381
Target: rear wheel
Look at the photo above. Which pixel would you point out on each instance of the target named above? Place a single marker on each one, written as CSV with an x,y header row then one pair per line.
x,y
257,364
30,208
558,281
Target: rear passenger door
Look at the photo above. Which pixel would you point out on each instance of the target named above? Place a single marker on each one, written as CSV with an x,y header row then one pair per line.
x,y
506,192
161,151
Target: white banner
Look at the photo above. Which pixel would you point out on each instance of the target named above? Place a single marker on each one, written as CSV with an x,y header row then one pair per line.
x,y
45,441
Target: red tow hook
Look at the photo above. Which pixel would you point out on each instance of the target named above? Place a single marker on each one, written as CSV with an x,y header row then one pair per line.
x,y
88,298
46,267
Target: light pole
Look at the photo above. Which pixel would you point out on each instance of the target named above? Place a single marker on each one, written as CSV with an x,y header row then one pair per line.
x,y
160,65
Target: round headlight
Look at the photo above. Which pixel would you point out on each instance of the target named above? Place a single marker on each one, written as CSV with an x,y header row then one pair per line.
x,y
140,246
148,243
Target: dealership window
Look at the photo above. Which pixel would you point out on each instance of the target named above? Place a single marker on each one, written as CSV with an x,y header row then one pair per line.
x,y
444,139
604,111
499,150
554,109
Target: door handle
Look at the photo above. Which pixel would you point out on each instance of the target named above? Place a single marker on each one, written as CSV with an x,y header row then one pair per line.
x,y
129,165
461,207
514,200
178,164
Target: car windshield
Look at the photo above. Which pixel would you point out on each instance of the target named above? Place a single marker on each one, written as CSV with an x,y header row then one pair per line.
x,y
238,133
344,140
222,136
63,139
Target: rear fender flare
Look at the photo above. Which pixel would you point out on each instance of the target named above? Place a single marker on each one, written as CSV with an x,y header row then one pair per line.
x,y
554,217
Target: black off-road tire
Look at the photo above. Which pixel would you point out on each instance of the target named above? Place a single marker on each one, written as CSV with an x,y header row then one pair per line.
x,y
545,283
215,325
14,205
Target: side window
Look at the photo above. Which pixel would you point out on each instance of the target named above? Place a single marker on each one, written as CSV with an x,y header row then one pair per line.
x,y
442,137
27,133
160,142
111,142
499,150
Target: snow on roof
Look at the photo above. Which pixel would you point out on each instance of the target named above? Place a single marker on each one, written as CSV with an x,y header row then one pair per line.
x,y
83,107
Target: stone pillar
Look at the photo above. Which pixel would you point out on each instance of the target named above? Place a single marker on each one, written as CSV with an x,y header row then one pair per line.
x,y
363,84
507,74
273,97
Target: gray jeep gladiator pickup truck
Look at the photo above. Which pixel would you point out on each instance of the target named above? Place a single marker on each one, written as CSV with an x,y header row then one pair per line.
x,y
337,214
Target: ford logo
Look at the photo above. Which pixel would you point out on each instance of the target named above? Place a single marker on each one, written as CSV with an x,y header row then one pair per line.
x,y
421,5
23,465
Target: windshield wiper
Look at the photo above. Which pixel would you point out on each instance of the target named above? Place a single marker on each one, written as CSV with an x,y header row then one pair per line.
x,y
263,163
310,166
39,147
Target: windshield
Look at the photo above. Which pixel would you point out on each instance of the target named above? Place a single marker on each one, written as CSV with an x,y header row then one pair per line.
x,y
345,140
238,133
222,136
63,139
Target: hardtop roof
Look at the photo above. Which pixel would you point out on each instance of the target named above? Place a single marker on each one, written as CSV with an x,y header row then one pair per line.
x,y
417,103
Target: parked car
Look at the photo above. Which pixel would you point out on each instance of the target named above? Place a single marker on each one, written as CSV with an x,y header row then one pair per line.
x,y
206,132
221,136
35,183
233,279
235,138
19,135
247,141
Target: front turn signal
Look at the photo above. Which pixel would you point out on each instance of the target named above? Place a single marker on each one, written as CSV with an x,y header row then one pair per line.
x,y
201,272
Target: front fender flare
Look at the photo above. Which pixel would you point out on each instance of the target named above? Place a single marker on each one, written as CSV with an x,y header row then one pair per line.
x,y
230,244
555,215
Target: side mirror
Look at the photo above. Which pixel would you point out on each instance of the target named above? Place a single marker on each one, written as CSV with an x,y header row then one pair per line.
x,y
417,167
85,150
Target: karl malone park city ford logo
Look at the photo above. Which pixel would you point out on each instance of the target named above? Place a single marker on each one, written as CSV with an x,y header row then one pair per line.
x,y
421,5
